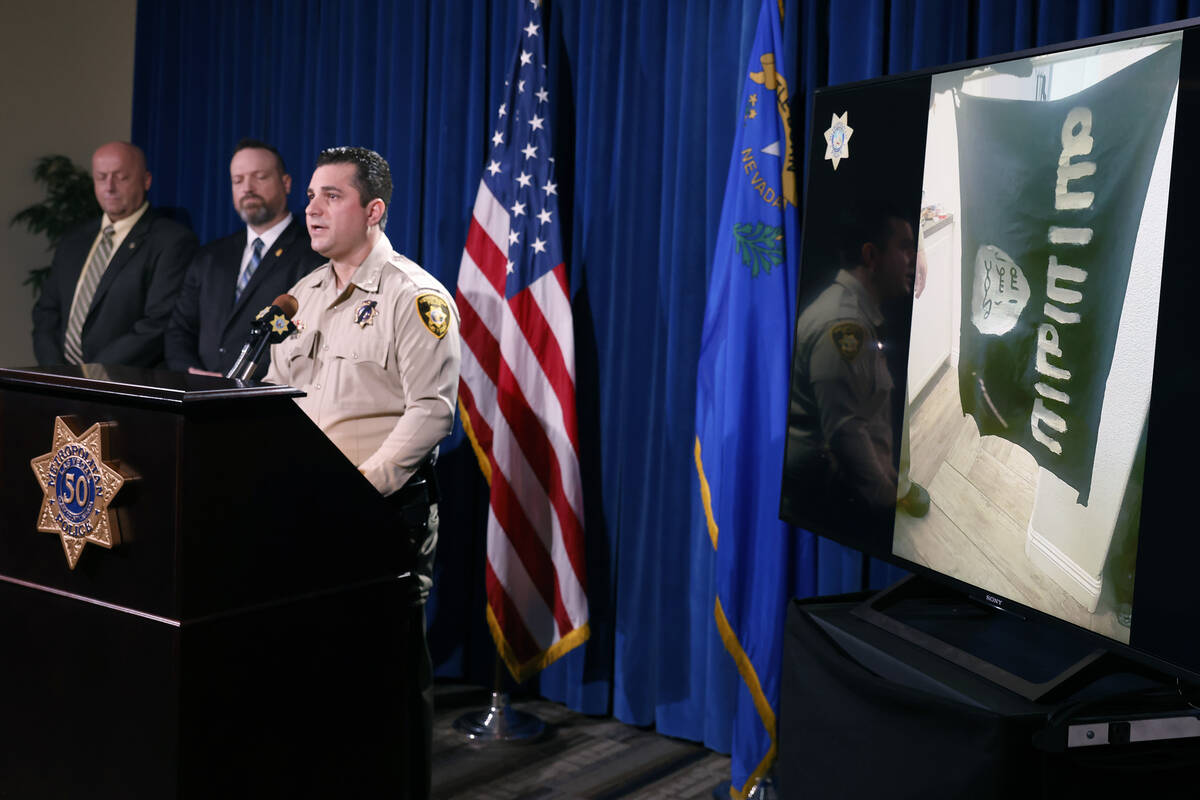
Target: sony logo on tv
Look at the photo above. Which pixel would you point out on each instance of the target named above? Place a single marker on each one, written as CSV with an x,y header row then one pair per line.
x,y
996,601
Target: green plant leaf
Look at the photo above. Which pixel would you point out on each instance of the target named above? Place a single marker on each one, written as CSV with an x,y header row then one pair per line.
x,y
70,201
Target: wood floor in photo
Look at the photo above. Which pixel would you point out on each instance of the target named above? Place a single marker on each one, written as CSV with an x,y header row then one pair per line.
x,y
982,493
597,758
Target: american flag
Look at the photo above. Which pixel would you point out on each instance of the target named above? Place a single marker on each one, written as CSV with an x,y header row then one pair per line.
x,y
517,392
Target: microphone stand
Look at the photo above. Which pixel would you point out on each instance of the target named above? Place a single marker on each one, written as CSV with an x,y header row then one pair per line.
x,y
247,360
272,325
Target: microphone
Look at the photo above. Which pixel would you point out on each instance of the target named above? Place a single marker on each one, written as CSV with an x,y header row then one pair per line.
x,y
271,325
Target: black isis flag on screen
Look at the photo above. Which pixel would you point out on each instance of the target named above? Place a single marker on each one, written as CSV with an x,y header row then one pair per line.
x,y
1052,195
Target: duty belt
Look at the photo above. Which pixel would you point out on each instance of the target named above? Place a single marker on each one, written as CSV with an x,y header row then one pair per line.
x,y
421,489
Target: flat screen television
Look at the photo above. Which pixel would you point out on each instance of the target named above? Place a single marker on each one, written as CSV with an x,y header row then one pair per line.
x,y
995,378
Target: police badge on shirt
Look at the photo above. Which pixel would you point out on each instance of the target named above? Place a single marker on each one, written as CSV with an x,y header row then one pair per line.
x,y
435,313
366,313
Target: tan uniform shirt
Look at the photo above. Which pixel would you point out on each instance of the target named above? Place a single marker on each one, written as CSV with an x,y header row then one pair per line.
x,y
378,360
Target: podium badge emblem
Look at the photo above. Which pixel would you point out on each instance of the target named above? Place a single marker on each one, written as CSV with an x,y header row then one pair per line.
x,y
78,484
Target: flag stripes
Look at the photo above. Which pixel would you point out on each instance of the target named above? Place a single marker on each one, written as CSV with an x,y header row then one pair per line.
x,y
517,397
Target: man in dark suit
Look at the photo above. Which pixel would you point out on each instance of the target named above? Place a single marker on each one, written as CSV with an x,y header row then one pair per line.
x,y
234,278
113,280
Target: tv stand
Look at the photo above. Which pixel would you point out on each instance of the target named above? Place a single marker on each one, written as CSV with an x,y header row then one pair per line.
x,y
865,712
1029,657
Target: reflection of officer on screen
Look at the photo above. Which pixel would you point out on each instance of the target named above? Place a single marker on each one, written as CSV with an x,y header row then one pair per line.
x,y
840,448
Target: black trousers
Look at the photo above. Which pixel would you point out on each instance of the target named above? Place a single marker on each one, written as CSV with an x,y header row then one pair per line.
x,y
417,517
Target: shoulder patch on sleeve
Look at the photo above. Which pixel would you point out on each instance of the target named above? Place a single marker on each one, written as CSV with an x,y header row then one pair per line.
x,y
848,339
435,313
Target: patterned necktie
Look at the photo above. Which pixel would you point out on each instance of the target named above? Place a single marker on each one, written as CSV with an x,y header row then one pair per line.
x,y
247,273
93,271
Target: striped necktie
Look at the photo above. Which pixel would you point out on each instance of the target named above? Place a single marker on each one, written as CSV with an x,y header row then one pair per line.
x,y
93,271
247,273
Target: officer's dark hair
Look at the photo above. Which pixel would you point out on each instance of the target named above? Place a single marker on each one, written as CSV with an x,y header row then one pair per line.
x,y
372,177
866,223
257,144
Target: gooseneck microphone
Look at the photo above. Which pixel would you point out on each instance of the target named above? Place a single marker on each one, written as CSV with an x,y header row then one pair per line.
x,y
272,325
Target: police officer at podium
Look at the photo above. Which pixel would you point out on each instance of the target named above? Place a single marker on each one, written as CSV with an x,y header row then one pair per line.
x,y
377,352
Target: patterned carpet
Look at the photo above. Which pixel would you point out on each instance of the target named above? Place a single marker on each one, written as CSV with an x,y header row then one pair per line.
x,y
596,758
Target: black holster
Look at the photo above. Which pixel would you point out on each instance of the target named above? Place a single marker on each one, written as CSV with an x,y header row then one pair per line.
x,y
421,491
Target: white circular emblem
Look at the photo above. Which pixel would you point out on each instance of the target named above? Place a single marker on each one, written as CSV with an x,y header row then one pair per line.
x,y
77,483
999,293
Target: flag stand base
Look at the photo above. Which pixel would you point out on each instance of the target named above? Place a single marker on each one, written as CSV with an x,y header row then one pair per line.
x,y
499,723
763,789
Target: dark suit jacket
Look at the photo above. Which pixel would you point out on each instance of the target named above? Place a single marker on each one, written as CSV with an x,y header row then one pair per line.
x,y
132,304
208,329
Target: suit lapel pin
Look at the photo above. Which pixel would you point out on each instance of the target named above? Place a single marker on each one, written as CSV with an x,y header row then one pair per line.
x,y
279,252
132,245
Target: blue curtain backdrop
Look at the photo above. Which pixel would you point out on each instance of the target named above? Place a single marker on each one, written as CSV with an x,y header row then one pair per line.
x,y
645,110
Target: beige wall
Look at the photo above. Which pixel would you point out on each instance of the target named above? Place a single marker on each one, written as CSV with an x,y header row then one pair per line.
x,y
66,83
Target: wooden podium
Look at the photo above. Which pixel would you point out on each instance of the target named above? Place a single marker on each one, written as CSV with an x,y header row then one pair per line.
x,y
239,640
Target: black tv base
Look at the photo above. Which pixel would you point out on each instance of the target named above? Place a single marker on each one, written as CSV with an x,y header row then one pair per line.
x,y
866,713
1038,661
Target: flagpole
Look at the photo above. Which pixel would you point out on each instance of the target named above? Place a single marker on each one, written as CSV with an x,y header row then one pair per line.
x,y
499,722
514,295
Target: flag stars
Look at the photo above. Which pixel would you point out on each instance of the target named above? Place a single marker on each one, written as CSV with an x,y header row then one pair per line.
x,y
508,267
524,179
530,151
542,95
513,237
531,29
536,123
520,87
503,109
550,188
544,216
518,209
494,168
526,57
498,138
538,246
